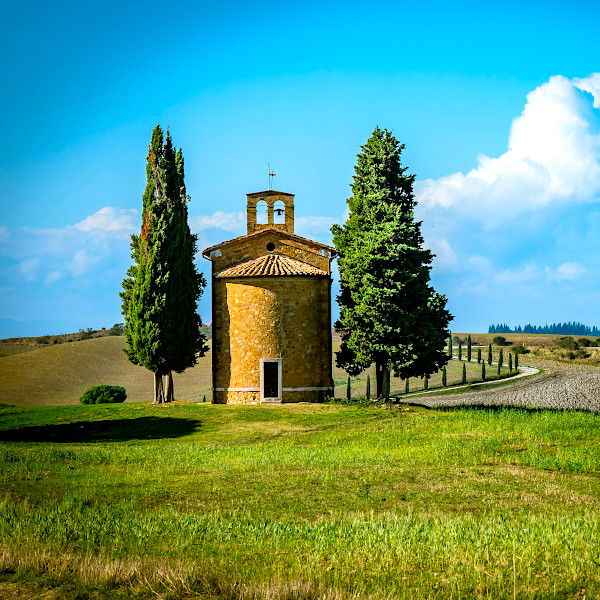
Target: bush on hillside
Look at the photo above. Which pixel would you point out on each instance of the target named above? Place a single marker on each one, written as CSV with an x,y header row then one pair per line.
x,y
584,343
499,340
566,343
519,350
104,394
116,329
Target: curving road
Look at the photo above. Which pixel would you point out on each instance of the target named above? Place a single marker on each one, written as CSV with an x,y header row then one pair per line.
x,y
561,386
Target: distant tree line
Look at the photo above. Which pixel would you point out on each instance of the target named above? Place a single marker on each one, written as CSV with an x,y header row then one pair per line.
x,y
556,328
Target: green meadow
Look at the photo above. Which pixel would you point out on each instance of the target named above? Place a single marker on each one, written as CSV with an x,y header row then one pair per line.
x,y
298,502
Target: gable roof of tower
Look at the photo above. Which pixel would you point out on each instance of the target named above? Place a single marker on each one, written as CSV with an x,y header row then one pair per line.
x,y
316,246
269,193
269,265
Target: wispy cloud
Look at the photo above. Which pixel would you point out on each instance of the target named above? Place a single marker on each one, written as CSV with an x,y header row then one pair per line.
x,y
52,254
527,275
226,221
29,268
567,271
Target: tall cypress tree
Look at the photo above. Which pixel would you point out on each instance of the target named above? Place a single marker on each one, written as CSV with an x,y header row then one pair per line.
x,y
469,349
490,355
162,287
389,314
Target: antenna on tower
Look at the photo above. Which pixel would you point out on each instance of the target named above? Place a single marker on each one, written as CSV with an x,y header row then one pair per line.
x,y
271,174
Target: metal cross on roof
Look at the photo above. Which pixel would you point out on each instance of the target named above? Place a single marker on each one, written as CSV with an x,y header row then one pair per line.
x,y
271,175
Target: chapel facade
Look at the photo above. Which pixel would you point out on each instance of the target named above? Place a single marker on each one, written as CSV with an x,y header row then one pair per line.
x,y
271,310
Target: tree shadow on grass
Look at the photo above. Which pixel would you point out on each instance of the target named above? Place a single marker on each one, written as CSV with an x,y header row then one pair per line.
x,y
110,430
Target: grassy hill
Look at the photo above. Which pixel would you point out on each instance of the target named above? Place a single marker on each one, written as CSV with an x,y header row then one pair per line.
x,y
59,374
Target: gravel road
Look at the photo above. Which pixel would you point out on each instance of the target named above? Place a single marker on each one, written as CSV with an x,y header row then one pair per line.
x,y
560,386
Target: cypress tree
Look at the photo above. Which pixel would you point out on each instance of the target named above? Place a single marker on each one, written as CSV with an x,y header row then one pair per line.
x,y
490,355
450,344
390,315
501,359
459,350
464,373
348,390
509,362
426,382
469,349
444,376
499,368
368,395
407,386
483,371
162,287
516,362
478,355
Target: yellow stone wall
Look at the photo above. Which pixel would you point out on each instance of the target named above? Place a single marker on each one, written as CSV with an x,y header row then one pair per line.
x,y
271,317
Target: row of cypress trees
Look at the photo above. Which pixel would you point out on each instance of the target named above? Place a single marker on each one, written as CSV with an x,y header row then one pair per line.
x,y
500,364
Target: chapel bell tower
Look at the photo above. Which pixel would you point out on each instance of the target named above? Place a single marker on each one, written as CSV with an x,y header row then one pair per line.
x,y
270,210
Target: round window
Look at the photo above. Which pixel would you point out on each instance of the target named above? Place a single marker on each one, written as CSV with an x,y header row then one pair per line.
x,y
270,246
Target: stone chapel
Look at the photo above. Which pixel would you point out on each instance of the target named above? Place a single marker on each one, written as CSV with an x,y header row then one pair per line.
x,y
271,310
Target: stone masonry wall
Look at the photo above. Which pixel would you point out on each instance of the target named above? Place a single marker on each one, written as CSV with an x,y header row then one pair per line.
x,y
271,317
256,246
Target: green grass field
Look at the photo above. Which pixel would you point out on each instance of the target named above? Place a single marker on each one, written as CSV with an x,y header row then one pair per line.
x,y
298,501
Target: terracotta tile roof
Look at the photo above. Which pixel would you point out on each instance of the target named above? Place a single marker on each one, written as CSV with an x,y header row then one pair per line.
x,y
271,264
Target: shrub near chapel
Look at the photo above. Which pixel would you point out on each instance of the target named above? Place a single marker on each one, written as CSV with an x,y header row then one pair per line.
x,y
104,394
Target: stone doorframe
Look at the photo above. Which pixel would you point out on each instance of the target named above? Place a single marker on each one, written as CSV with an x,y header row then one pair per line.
x,y
279,397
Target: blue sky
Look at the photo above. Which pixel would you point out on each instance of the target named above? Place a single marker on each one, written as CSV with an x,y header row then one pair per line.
x,y
498,105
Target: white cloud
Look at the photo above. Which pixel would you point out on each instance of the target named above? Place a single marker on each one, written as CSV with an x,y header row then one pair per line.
x,y
567,271
227,221
110,218
314,225
50,254
553,156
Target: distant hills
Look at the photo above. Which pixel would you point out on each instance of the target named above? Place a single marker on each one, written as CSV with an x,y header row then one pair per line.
x,y
60,373
554,329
